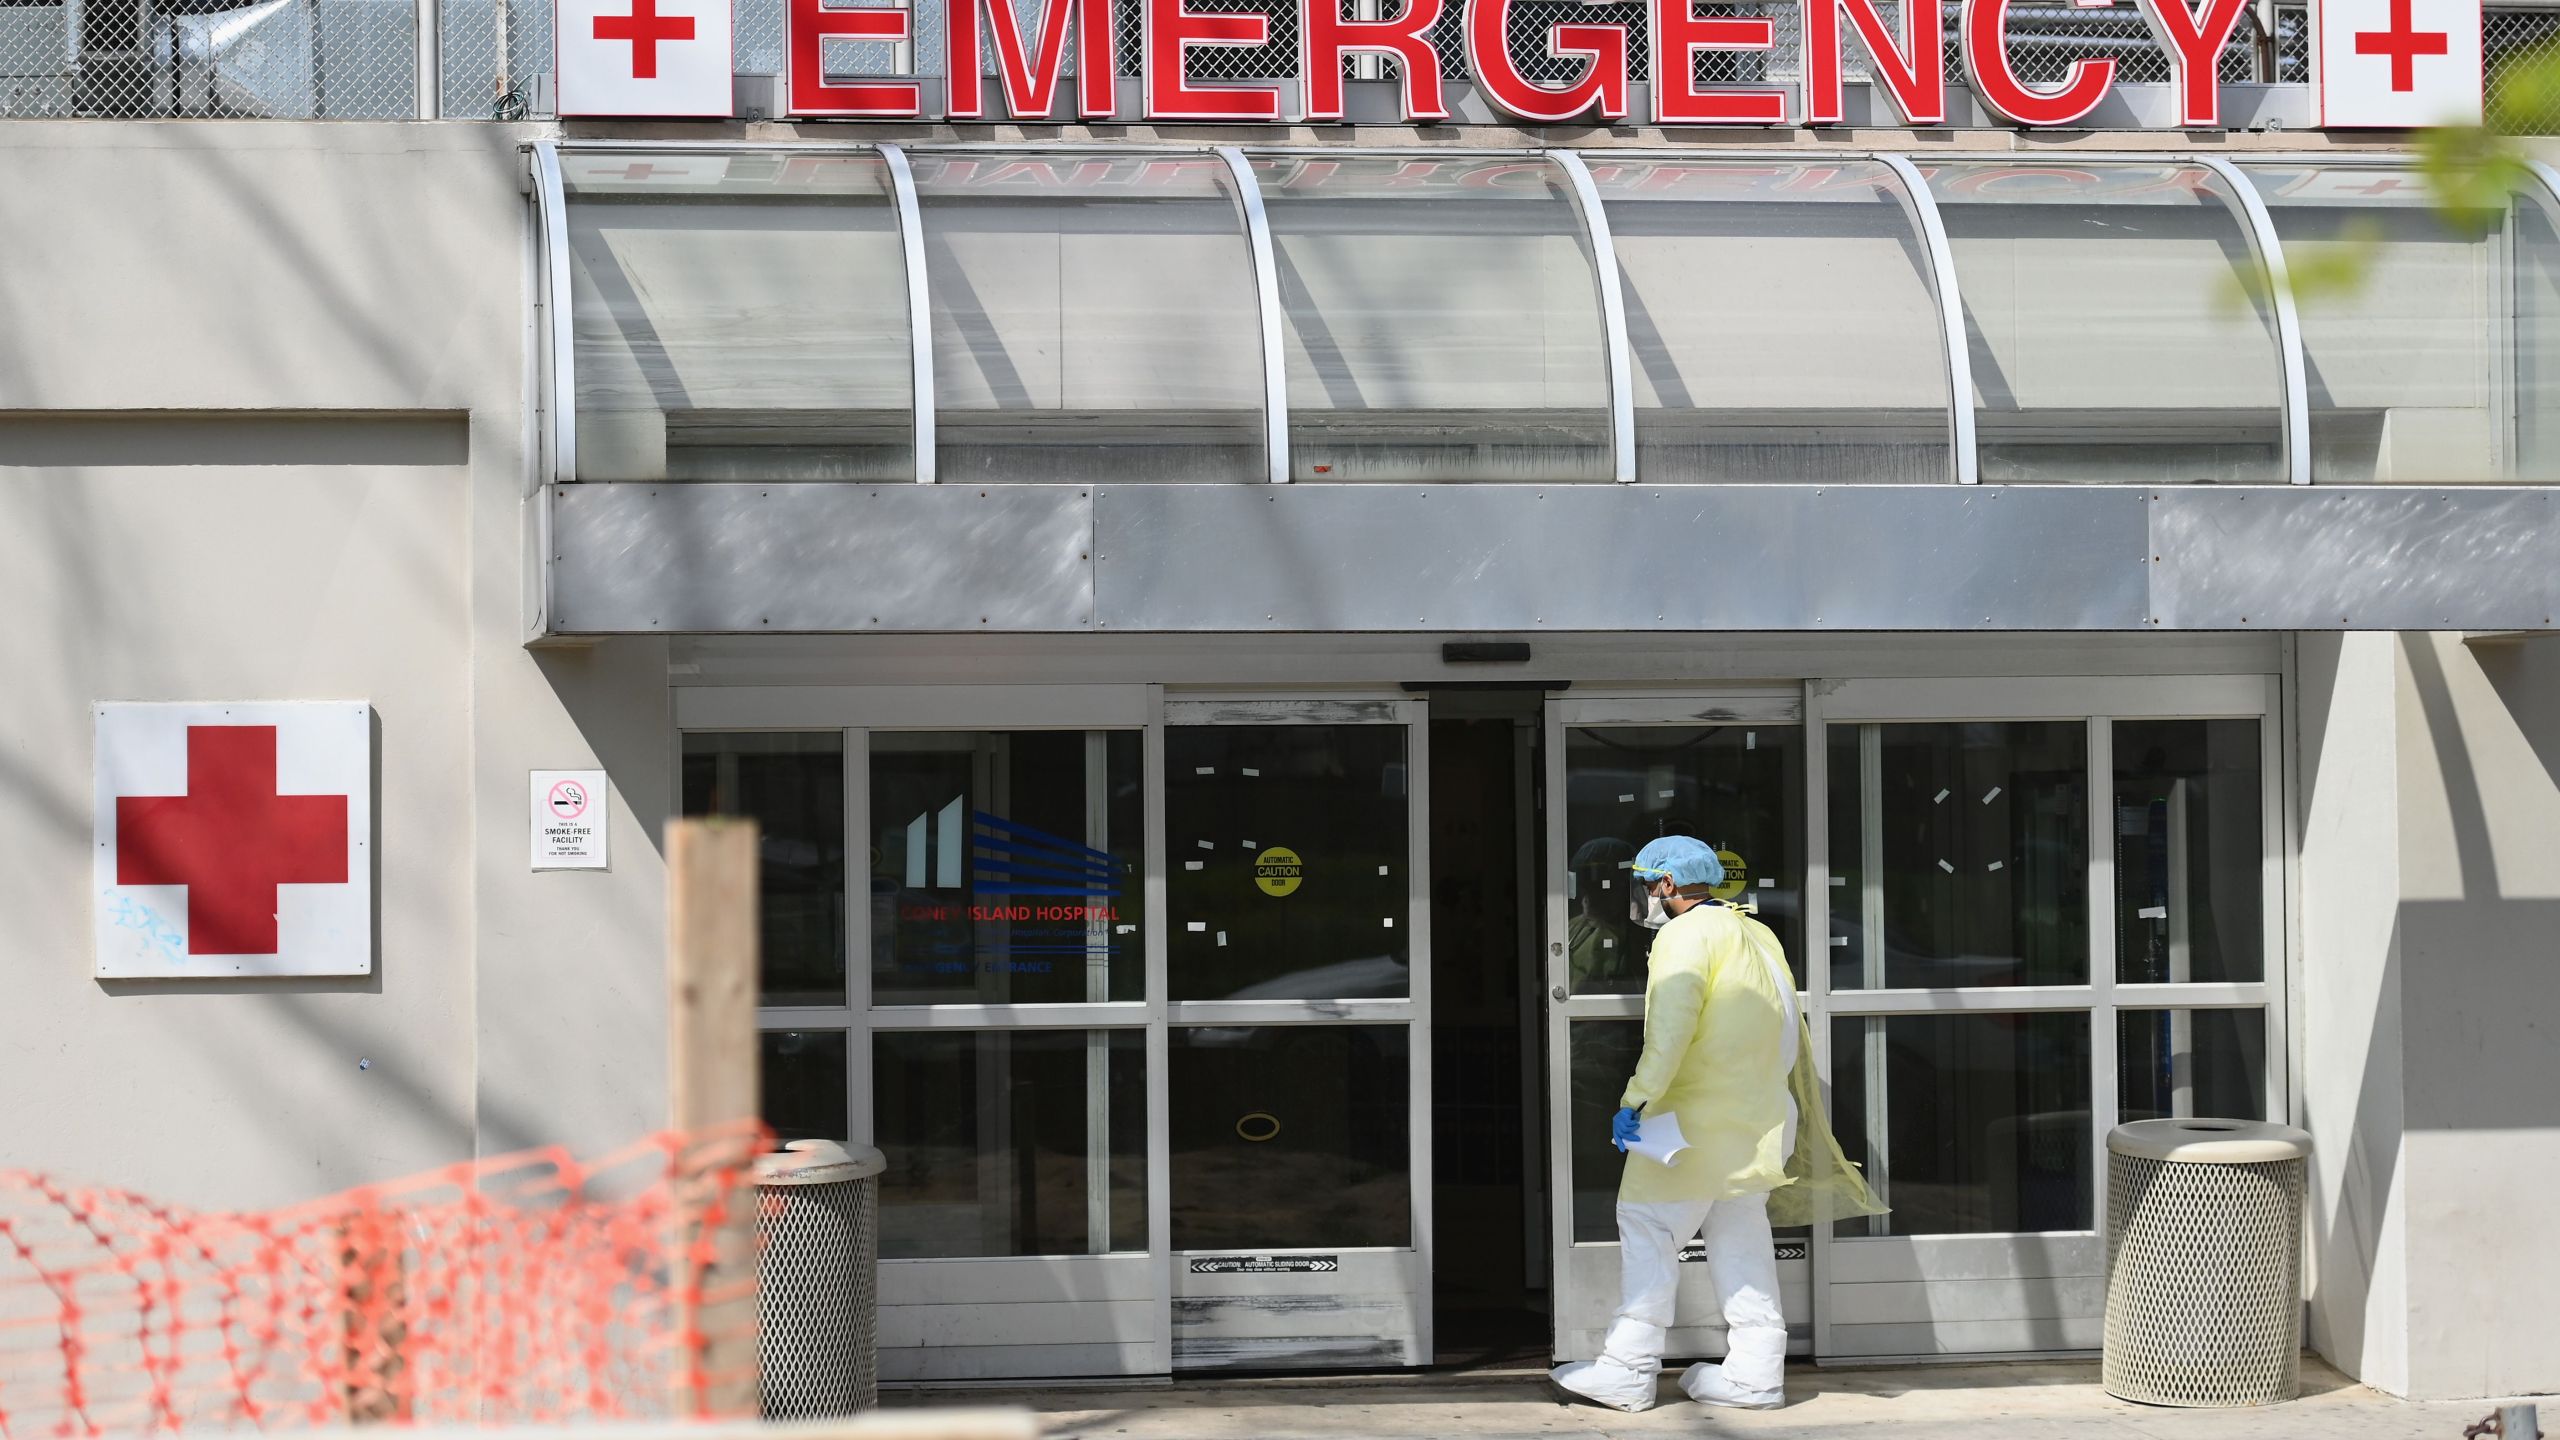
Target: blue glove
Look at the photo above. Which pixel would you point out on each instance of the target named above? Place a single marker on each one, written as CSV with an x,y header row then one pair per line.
x,y
1623,1128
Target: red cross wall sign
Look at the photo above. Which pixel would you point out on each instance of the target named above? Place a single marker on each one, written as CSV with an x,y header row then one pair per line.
x,y
644,57
234,840
2399,64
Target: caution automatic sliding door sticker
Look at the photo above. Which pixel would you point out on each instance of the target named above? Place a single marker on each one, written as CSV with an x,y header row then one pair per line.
x,y
1278,871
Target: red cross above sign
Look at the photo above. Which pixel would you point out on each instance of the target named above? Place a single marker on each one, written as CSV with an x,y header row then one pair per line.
x,y
2404,43
233,839
2398,64
644,27
644,57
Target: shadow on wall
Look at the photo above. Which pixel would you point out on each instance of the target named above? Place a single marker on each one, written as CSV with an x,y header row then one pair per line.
x,y
2484,1009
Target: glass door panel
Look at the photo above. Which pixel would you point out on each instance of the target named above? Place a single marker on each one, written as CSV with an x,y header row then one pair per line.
x,y
1011,1142
792,785
1727,769
1006,867
1968,862
2189,1063
2190,848
1290,869
1739,787
1298,1058
1292,1137
1992,1133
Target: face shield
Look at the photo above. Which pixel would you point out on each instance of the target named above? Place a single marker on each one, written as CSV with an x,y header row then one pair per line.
x,y
1644,907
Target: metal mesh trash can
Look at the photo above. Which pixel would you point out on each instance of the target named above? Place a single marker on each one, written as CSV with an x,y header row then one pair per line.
x,y
2204,1262
817,1291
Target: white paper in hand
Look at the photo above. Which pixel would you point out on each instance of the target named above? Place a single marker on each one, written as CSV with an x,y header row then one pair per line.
x,y
1658,1138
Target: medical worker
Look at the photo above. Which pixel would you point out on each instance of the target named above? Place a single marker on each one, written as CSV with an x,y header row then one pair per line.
x,y
1725,1052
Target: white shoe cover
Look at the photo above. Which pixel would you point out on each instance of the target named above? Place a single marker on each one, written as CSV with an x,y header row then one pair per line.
x,y
1606,1382
1707,1385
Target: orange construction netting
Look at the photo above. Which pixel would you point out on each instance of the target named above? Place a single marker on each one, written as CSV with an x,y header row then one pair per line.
x,y
532,1287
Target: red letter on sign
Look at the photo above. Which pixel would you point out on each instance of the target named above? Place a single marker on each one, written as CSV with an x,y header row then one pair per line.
x,y
1603,82
1031,80
1986,68
1907,67
1325,38
2194,43
808,23
1172,30
1679,33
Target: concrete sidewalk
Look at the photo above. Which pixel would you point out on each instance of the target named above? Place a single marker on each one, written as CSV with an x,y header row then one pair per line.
x,y
2028,1401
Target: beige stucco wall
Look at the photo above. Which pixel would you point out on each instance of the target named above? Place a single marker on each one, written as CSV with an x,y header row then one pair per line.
x,y
197,279
2480,989
2430,981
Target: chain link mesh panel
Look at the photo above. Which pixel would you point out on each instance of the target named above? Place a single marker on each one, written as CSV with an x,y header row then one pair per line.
x,y
493,52
2513,41
2045,38
2204,1281
2293,45
281,59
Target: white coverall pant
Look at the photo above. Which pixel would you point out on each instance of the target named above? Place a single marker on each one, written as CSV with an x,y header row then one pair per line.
x,y
1741,1260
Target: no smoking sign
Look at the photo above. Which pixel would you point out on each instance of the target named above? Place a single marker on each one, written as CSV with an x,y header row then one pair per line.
x,y
569,820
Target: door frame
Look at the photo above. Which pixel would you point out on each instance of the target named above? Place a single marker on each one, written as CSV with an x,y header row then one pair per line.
x,y
1380,1293
1815,705
2050,1261
1584,1269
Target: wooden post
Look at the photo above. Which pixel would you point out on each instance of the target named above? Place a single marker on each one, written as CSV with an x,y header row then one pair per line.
x,y
712,972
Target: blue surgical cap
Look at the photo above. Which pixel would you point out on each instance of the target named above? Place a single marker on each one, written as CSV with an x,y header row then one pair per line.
x,y
1683,860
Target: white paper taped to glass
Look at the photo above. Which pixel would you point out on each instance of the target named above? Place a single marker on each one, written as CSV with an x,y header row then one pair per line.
x,y
1658,1138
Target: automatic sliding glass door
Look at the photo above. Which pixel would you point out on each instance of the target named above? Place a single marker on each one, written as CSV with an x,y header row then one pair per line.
x,y
1727,768
1299,1054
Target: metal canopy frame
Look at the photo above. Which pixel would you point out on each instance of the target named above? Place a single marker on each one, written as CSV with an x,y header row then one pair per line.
x,y
560,450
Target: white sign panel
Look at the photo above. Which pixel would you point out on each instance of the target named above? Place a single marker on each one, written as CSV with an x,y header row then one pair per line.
x,y
2399,64
644,57
568,819
234,839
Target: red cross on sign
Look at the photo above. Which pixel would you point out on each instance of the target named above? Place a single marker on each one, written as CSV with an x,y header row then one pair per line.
x,y
232,839
646,57
2397,64
2404,43
644,27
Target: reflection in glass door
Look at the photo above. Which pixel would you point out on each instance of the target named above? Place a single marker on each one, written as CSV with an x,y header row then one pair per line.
x,y
956,925
1727,769
1298,1059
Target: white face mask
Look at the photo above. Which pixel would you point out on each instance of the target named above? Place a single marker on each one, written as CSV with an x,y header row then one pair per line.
x,y
1654,917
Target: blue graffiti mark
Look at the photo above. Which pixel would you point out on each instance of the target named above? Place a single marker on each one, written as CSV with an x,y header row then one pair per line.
x,y
132,914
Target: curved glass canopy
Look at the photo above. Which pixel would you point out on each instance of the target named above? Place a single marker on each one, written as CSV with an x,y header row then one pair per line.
x,y
1209,315
1826,363
2116,329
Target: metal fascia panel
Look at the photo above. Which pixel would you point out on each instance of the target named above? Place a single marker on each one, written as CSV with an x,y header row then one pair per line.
x,y
821,557
1617,557
2334,557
